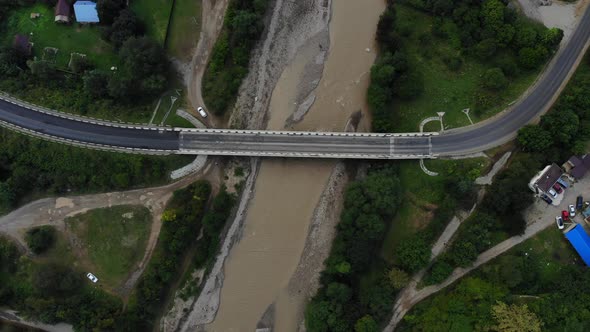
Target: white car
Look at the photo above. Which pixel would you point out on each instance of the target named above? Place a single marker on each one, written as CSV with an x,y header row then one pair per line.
x,y
572,210
202,112
552,192
92,277
559,222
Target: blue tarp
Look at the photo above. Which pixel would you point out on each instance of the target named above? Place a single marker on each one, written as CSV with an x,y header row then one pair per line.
x,y
86,12
581,242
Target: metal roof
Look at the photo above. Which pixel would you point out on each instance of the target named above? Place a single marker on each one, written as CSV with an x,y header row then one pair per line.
x,y
86,12
580,241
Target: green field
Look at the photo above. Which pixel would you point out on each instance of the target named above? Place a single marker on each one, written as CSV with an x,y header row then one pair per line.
x,y
155,15
185,28
445,90
422,194
113,239
44,32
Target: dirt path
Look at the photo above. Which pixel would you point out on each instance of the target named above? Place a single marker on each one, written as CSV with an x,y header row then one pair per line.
x,y
410,296
212,15
53,211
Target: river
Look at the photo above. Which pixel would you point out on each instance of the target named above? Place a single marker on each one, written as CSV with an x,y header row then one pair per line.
x,y
260,265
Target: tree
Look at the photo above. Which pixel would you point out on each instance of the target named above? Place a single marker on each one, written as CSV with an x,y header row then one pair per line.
x,y
39,239
526,36
398,279
531,58
108,10
95,83
386,35
494,79
79,64
409,85
125,26
533,138
515,318
486,48
562,125
552,37
366,324
413,254
339,292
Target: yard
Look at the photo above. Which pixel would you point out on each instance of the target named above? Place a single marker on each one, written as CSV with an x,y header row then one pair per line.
x,y
44,32
111,241
185,29
155,14
445,90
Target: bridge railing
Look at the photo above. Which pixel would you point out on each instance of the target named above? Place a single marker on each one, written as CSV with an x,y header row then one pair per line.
x,y
300,133
80,118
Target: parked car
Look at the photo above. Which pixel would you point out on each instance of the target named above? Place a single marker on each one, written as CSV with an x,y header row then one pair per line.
x,y
202,112
546,199
563,183
572,210
579,203
552,193
92,277
565,215
557,188
559,222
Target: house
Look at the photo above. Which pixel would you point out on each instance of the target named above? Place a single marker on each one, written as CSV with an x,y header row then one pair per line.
x,y
545,179
22,45
62,11
577,166
86,12
580,241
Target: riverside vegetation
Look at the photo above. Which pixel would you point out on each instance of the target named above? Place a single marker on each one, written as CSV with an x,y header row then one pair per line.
x,y
228,66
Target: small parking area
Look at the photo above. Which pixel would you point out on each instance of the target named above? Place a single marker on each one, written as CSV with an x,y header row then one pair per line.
x,y
542,210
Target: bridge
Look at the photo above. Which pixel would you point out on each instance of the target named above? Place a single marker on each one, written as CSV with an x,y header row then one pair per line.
x,y
135,138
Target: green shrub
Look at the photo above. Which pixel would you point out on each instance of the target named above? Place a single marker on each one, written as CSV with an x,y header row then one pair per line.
x,y
39,239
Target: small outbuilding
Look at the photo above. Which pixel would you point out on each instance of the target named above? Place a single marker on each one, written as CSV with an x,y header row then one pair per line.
x,y
86,12
577,166
22,45
62,11
580,241
545,179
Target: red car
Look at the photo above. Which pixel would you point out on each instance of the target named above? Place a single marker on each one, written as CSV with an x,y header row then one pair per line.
x,y
565,215
557,187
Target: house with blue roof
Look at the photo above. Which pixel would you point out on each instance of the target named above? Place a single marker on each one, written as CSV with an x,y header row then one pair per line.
x,y
86,12
580,241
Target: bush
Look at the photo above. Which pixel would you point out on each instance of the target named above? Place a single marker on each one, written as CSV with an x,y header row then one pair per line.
x,y
494,79
439,272
39,239
413,254
454,63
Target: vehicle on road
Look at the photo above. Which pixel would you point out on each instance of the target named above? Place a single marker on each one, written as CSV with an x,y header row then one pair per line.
x,y
557,188
202,112
572,210
559,222
579,203
552,193
92,277
546,199
565,215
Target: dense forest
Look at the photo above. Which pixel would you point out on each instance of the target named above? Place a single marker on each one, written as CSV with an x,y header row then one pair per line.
x,y
30,168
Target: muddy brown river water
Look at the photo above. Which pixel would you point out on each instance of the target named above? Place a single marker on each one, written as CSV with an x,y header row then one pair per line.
x,y
260,265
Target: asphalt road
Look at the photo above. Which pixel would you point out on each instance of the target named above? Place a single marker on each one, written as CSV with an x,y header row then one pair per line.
x,y
462,141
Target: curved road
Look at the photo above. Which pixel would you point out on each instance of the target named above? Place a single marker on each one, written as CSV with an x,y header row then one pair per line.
x,y
500,129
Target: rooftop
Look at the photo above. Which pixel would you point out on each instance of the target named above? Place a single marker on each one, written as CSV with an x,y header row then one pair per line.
x,y
62,8
580,241
86,12
548,178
